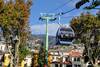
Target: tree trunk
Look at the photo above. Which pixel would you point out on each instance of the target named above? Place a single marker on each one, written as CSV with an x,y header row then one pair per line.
x,y
17,53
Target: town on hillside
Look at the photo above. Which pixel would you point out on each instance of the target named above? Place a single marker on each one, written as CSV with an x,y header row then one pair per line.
x,y
49,33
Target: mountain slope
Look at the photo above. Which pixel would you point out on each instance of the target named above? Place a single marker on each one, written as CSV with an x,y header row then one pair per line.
x,y
52,39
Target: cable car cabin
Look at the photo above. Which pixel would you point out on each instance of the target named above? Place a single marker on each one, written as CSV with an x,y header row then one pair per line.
x,y
65,36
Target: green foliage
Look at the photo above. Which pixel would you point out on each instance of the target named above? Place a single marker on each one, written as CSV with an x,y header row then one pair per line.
x,y
23,52
76,42
94,4
41,58
14,16
14,21
86,26
35,59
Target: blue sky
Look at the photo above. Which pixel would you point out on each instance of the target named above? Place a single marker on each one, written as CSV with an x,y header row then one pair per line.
x,y
49,6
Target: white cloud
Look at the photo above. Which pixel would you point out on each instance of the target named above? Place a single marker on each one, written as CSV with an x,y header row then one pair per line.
x,y
40,29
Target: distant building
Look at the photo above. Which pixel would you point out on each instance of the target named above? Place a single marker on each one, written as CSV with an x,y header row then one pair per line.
x,y
2,42
60,59
76,58
2,46
34,44
64,57
71,58
1,55
28,61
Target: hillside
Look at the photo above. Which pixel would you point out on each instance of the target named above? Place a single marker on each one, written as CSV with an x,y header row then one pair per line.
x,y
52,39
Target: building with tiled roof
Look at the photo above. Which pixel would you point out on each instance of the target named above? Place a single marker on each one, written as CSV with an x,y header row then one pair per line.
x,y
76,58
66,58
74,53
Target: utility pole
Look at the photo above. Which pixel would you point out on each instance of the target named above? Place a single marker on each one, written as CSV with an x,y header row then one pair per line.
x,y
47,17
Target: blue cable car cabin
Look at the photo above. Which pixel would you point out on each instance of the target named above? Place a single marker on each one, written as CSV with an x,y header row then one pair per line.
x,y
65,36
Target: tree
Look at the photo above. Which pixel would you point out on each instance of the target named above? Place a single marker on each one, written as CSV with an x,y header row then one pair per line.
x,y
23,53
14,16
35,59
49,59
86,27
41,58
93,5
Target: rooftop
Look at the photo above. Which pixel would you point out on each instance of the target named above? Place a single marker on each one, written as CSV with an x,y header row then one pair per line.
x,y
74,53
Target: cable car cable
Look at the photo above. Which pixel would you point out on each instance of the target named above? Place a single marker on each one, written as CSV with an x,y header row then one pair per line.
x,y
63,13
62,5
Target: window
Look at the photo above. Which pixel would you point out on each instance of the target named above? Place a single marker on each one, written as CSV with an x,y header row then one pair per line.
x,y
52,57
66,59
56,65
60,65
76,59
1,47
66,29
68,65
77,65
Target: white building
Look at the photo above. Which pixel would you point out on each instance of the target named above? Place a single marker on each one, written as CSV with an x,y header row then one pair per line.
x,y
70,58
2,46
76,58
60,59
28,61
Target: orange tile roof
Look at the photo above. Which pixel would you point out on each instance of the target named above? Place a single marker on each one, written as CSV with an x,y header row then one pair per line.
x,y
66,62
74,53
